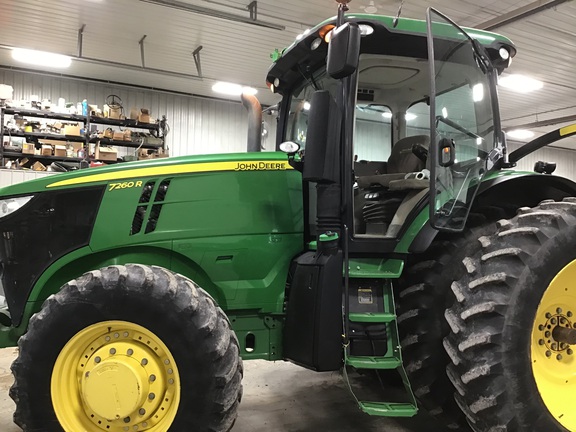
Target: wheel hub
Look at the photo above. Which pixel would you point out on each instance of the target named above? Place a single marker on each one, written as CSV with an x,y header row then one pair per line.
x,y
552,351
554,334
115,387
115,376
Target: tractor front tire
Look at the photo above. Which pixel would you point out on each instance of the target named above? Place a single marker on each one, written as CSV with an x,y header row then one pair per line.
x,y
128,347
512,369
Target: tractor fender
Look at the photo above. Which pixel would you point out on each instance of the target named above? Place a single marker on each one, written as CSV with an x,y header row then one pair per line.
x,y
510,191
84,260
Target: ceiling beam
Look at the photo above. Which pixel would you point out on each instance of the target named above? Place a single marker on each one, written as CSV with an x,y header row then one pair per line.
x,y
519,14
543,123
201,10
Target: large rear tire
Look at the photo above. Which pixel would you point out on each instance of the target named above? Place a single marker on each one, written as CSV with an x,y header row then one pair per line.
x,y
424,295
130,346
511,372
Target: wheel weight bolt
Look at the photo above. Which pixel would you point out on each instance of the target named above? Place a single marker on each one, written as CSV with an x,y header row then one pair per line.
x,y
151,396
97,360
141,411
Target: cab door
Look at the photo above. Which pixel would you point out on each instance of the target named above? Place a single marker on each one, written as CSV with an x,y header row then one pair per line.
x,y
463,121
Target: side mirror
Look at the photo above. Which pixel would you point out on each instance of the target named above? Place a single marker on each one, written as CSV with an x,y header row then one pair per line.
x,y
343,51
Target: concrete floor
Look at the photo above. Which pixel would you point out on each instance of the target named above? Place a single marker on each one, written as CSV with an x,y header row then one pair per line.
x,y
277,396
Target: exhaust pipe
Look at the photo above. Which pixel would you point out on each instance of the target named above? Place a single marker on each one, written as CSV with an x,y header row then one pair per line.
x,y
254,108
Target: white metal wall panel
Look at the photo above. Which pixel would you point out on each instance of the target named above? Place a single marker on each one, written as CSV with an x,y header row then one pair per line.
x,y
565,160
10,177
198,125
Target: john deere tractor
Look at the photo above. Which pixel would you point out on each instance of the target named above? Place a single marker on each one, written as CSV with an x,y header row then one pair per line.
x,y
390,235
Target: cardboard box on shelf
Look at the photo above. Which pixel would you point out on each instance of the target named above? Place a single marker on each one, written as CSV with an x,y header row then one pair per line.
x,y
106,153
60,150
144,115
127,135
118,136
38,166
28,148
72,130
46,150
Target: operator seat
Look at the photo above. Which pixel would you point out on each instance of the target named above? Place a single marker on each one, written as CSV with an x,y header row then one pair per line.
x,y
402,161
380,197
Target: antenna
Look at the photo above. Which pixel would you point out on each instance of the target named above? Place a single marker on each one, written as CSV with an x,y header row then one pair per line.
x,y
395,22
342,8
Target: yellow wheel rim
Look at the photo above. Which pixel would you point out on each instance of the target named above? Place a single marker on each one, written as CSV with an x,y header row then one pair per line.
x,y
554,361
115,376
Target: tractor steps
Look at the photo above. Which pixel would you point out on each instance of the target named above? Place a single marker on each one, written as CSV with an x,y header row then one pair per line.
x,y
372,343
384,409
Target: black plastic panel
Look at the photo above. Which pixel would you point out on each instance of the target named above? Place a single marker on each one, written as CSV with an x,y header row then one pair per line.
x,y
313,331
48,227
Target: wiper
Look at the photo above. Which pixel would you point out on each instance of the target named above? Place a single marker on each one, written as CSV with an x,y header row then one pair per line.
x,y
456,126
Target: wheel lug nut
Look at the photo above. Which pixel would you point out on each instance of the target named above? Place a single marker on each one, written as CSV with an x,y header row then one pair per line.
x,y
553,320
152,378
141,411
151,396
541,327
107,338
166,361
97,360
569,351
127,420
144,362
130,352
559,357
559,310
112,351
541,342
547,334
569,314
548,315
125,334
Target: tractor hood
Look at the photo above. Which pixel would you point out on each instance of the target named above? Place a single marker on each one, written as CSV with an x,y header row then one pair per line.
x,y
122,175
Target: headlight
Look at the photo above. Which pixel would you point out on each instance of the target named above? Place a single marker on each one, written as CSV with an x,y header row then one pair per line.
x,y
10,205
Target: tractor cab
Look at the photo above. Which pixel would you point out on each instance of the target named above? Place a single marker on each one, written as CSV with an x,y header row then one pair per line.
x,y
404,131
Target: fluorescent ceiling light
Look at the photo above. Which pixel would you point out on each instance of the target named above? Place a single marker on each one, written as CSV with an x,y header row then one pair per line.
x,y
233,89
444,112
306,106
520,83
410,116
521,134
41,58
387,115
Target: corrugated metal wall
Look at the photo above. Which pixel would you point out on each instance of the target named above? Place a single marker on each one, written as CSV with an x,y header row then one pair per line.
x,y
565,160
198,125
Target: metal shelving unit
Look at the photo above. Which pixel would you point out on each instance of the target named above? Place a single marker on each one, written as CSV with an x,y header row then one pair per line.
x,y
157,129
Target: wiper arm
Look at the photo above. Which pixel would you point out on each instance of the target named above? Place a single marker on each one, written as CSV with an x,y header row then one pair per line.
x,y
457,127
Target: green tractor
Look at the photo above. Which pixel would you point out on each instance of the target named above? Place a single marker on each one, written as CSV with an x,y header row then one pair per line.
x,y
134,292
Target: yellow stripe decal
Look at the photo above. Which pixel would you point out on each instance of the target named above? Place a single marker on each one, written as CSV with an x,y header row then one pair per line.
x,y
250,165
568,130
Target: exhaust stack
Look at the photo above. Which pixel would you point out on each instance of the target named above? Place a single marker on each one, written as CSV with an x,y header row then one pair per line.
x,y
254,108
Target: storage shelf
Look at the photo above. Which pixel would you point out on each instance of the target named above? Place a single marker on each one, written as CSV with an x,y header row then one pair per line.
x,y
35,156
124,123
132,144
40,135
45,114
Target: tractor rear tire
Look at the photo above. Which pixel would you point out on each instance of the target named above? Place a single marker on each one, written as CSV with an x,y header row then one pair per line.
x,y
424,295
510,370
157,344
